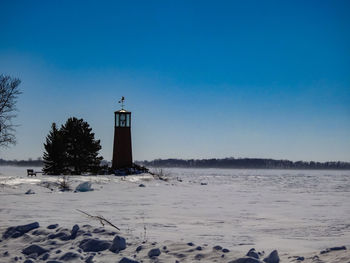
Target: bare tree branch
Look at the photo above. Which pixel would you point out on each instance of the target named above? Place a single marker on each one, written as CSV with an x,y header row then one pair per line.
x,y
9,93
99,218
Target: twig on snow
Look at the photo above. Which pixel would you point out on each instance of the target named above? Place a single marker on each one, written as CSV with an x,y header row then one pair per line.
x,y
99,218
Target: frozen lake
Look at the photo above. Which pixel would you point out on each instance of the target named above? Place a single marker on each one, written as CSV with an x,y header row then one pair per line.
x,y
290,210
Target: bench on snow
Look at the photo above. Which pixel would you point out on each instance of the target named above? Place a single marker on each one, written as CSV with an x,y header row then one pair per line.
x,y
31,172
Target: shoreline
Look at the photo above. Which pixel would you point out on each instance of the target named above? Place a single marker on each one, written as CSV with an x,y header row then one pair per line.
x,y
237,210
190,167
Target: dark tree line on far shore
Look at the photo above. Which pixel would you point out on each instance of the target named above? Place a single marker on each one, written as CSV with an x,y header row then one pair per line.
x,y
37,163
245,163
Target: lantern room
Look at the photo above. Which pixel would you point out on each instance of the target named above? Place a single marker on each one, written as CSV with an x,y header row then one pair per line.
x,y
122,118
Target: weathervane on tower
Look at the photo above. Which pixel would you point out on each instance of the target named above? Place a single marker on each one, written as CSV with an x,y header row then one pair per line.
x,y
122,102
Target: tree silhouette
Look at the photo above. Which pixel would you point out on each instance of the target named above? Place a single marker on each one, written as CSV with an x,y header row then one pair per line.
x,y
55,155
8,97
81,147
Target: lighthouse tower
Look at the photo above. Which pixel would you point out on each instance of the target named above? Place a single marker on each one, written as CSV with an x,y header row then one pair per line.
x,y
122,153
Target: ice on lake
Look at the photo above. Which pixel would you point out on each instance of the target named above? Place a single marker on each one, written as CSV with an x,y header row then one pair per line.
x,y
290,210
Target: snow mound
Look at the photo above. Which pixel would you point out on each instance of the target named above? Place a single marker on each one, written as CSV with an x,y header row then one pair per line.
x,y
84,187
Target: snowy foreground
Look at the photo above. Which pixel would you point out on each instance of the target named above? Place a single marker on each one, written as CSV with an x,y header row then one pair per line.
x,y
206,215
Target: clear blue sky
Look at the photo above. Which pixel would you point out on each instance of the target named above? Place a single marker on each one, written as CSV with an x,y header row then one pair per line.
x,y
202,78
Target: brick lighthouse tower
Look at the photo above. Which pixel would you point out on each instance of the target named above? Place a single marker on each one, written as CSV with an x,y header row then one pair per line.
x,y
122,153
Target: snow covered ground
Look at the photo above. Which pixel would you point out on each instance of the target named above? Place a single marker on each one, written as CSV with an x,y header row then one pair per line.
x,y
294,211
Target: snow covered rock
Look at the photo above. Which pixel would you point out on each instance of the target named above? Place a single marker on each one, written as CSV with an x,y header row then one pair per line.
x,y
69,256
40,232
84,187
53,226
60,235
155,252
94,245
332,249
139,248
127,260
252,253
45,256
272,258
18,231
74,232
34,249
30,192
89,259
118,244
246,260
217,248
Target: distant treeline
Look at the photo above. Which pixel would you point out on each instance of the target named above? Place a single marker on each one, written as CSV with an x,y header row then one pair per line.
x,y
245,163
38,162
239,163
29,162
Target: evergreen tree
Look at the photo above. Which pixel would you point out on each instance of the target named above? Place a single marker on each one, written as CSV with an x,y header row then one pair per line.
x,y
81,147
54,155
